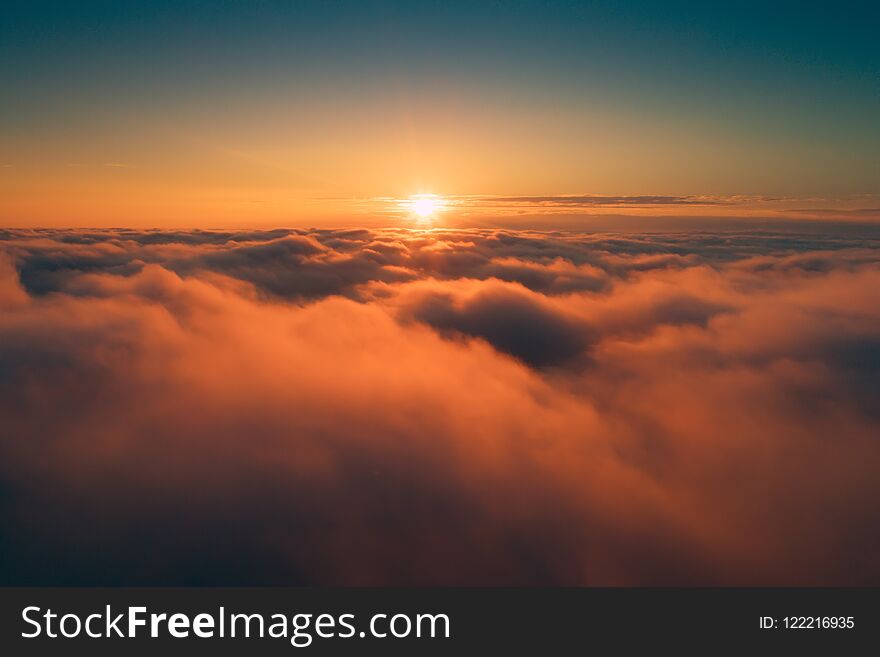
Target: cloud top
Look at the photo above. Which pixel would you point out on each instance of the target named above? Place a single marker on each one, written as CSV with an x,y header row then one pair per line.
x,y
444,407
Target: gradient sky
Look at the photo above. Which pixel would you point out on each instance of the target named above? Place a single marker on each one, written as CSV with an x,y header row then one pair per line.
x,y
259,113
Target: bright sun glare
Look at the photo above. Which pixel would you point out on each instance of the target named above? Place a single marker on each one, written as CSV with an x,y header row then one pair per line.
x,y
425,206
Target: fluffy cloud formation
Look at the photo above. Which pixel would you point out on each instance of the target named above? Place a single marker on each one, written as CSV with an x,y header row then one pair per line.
x,y
453,407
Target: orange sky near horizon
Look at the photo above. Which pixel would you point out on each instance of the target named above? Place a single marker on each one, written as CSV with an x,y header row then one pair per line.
x,y
176,115
116,194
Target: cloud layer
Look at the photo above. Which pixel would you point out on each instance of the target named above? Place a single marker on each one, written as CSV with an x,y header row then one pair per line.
x,y
453,407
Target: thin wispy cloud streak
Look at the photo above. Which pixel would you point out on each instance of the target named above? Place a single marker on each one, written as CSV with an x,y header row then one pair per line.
x,y
587,200
542,210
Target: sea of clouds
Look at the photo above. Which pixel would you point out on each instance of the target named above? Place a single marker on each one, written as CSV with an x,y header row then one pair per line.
x,y
443,407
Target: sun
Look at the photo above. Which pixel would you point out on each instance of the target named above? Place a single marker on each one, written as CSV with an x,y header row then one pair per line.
x,y
424,207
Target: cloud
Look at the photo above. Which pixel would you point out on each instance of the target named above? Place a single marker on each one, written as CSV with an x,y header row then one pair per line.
x,y
839,213
453,407
593,200
510,317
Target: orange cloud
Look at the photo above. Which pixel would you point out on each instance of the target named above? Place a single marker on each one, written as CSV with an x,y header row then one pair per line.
x,y
361,407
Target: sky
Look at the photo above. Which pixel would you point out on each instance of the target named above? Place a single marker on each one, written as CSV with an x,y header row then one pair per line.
x,y
204,114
